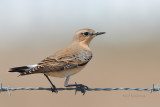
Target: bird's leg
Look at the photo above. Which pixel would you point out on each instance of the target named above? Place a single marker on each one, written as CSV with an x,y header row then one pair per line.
x,y
66,81
54,89
79,87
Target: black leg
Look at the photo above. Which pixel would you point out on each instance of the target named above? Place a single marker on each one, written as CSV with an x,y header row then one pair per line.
x,y
54,89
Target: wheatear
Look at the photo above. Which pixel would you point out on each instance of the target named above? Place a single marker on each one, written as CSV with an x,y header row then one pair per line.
x,y
65,62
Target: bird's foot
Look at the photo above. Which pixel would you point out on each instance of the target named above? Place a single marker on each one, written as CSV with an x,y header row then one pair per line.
x,y
54,89
79,87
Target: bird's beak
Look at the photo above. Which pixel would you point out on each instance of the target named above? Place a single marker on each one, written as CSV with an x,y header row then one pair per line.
x,y
99,33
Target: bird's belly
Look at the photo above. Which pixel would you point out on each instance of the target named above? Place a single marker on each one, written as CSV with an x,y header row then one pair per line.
x,y
65,73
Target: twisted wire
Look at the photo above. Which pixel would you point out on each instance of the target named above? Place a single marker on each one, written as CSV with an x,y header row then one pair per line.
x,y
8,89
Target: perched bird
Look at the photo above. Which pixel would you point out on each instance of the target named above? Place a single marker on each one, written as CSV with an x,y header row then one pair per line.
x,y
65,62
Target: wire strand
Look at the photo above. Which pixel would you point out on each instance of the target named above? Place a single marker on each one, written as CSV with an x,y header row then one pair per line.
x,y
8,89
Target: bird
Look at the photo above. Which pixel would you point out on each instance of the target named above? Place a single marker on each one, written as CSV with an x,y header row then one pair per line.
x,y
65,62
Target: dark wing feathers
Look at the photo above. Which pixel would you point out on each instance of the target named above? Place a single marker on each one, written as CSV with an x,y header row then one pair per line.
x,y
50,64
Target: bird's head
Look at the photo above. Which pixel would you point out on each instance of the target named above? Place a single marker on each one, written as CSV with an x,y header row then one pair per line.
x,y
85,36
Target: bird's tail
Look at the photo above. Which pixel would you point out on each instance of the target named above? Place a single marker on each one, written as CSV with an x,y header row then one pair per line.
x,y
22,69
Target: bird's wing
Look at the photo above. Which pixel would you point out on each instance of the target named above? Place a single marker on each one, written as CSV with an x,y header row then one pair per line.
x,y
61,62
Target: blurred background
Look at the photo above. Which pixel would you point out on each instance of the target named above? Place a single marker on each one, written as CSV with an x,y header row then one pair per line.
x,y
128,55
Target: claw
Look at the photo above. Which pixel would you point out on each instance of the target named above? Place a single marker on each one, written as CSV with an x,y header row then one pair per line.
x,y
54,90
80,87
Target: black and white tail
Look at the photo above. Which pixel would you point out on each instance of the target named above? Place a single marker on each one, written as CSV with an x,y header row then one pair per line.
x,y
22,69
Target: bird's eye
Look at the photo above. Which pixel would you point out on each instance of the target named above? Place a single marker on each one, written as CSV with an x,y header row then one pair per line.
x,y
86,33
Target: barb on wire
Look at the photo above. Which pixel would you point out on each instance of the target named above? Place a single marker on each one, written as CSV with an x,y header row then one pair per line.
x,y
8,89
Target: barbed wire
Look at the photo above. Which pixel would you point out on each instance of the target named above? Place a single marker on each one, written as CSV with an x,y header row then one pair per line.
x,y
8,89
